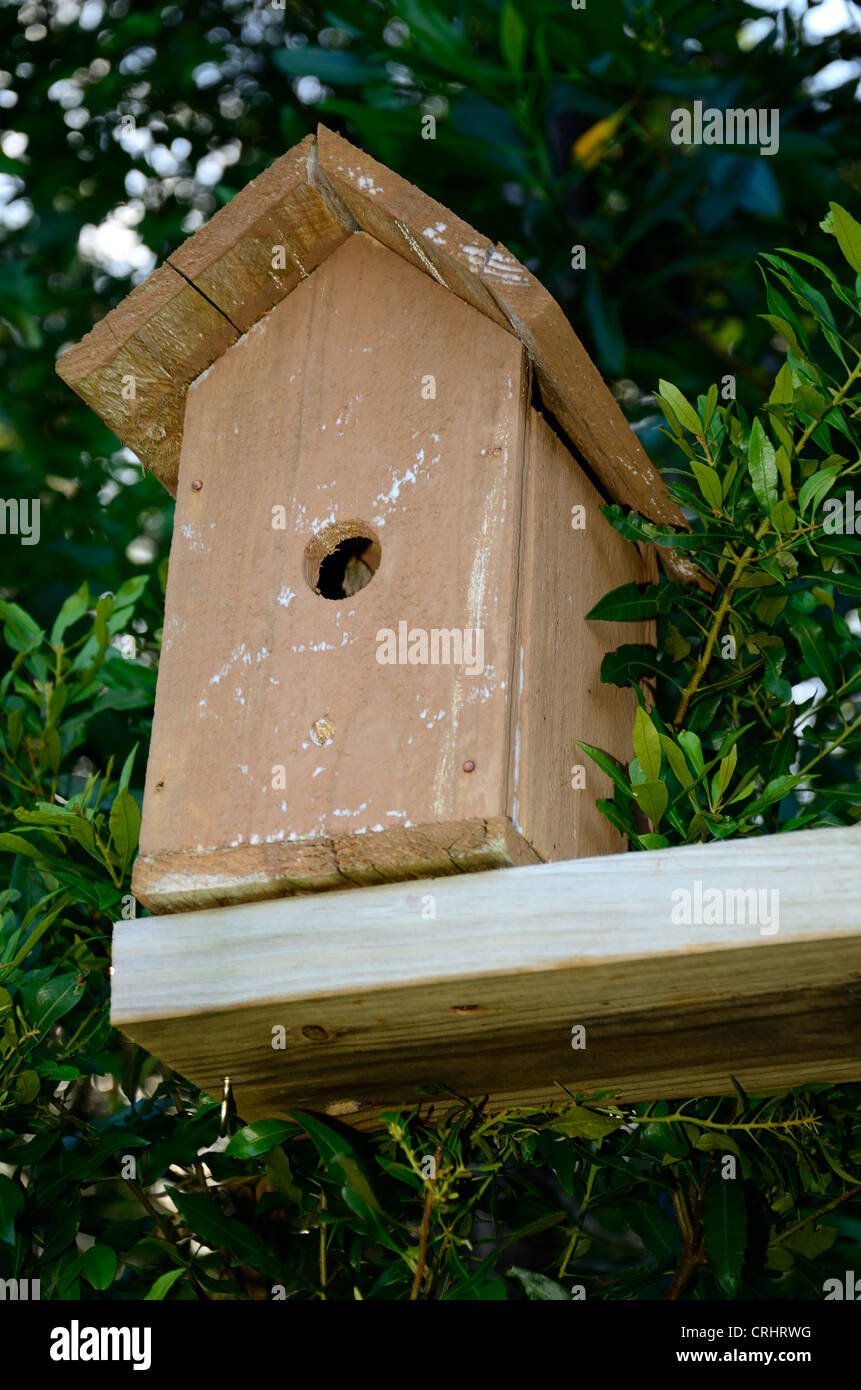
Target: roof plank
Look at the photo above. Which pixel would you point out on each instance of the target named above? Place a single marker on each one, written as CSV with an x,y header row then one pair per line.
x,y
406,220
232,259
574,391
226,277
134,366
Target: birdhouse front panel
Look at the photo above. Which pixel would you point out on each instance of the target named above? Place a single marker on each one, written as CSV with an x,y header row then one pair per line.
x,y
339,633
390,453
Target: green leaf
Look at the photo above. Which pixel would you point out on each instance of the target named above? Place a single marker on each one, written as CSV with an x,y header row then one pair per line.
x,y
842,580
607,765
651,797
513,36
694,749
816,486
726,770
775,790
676,646
17,844
783,518
259,1138
811,1241
99,1265
647,745
205,1218
613,813
725,1228
54,999
710,404
22,632
128,593
27,1087
848,233
681,407
337,1153
782,390
125,823
762,467
580,1122
626,604
677,761
651,841
126,774
785,330
163,1284
539,1286
74,608
709,484
628,664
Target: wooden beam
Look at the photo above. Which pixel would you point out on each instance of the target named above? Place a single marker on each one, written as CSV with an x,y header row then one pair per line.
x,y
477,982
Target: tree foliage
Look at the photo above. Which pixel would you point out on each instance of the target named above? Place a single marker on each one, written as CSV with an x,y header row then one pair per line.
x,y
551,133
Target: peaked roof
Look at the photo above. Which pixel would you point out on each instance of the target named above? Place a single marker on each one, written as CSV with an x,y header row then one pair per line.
x,y
135,366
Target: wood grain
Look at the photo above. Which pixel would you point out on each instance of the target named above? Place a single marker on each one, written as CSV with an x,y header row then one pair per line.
x,y
230,259
381,999
573,390
222,280
184,880
156,341
320,410
563,572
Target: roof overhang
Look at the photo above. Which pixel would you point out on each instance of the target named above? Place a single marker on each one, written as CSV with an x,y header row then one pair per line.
x,y
134,368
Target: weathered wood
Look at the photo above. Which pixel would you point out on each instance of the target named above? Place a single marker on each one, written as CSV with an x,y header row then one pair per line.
x,y
493,281
232,259
134,366
564,570
323,411
478,981
179,882
573,390
400,216
220,282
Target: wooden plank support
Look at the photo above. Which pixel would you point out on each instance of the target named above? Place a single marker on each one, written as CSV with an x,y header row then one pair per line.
x,y
349,1003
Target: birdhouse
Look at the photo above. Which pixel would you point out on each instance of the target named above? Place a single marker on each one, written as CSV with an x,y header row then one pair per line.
x,y
389,452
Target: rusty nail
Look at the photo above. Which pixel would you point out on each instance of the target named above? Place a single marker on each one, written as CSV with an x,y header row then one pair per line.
x,y
197,485
469,765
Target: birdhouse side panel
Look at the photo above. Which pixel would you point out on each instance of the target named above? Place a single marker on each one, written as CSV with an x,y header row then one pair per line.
x,y
340,609
570,558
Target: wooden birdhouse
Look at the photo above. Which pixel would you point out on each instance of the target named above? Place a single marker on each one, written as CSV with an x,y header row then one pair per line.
x,y
389,452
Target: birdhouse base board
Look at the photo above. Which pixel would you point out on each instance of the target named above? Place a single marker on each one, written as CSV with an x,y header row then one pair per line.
x,y
627,972
187,879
